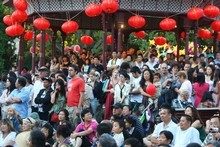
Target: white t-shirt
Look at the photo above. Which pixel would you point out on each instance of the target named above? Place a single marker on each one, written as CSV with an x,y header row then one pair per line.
x,y
191,135
151,65
136,84
114,62
10,137
38,85
122,91
119,139
186,85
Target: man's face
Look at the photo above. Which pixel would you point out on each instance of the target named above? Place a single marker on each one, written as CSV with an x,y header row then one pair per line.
x,y
139,58
214,122
42,73
163,68
165,115
46,84
96,61
117,111
126,111
184,124
114,55
72,72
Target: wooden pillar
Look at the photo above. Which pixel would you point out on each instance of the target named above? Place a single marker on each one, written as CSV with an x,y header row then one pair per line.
x,y
54,38
119,40
42,48
34,52
63,39
21,54
113,33
187,44
195,38
178,32
104,40
215,43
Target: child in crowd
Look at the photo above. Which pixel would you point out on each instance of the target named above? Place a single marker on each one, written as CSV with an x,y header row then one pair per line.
x,y
207,101
12,114
85,67
183,101
117,130
158,85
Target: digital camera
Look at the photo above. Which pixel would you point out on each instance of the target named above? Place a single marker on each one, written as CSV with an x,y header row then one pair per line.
x,y
213,130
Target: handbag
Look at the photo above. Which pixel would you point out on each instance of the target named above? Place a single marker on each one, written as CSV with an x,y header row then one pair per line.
x,y
54,117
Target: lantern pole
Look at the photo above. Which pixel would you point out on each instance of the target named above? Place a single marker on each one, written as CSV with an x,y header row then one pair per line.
x,y
63,39
21,54
54,38
113,32
215,43
34,51
187,44
177,33
195,38
104,40
42,48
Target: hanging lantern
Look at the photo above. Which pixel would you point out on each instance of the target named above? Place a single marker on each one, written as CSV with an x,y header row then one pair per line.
x,y
160,40
14,30
216,25
66,48
28,35
136,21
8,20
140,34
93,10
47,37
9,31
211,11
183,35
19,16
20,4
109,39
167,24
76,48
195,13
204,34
69,26
41,23
109,6
87,40
37,49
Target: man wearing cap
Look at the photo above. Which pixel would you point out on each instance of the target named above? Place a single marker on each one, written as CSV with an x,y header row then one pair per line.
x,y
75,94
19,97
43,99
38,85
117,109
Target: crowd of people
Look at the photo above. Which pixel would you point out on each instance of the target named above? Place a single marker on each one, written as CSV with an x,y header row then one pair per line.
x,y
74,101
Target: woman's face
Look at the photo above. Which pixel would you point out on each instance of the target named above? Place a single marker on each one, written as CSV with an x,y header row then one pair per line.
x,y
26,126
115,74
57,86
61,116
195,74
127,125
208,71
146,75
55,60
188,111
45,131
4,128
163,140
10,112
8,83
122,78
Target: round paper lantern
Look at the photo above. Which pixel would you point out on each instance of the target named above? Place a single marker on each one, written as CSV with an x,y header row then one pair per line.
x,y
211,11
140,34
37,49
41,23
47,37
87,40
151,89
93,10
195,13
160,40
8,20
183,35
76,48
216,25
28,35
66,49
20,4
69,26
136,21
14,30
167,24
109,39
9,31
204,33
109,6
19,16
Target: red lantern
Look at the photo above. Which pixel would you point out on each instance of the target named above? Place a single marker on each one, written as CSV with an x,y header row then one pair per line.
x,y
8,20
28,35
109,6
14,30
160,40
41,23
167,24
204,33
76,48
136,21
195,13
109,39
211,11
216,25
37,49
47,37
66,49
93,10
183,35
20,4
140,34
151,89
69,27
19,16
88,40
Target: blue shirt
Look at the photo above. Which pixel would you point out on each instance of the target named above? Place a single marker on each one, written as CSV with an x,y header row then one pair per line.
x,y
22,107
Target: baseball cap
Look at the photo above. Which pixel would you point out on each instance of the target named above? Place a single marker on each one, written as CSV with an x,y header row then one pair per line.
x,y
118,105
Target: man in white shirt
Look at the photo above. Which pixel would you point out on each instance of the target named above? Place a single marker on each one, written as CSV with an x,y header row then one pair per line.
x,y
186,134
152,61
115,62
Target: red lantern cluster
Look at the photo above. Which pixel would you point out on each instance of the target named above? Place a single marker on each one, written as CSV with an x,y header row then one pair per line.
x,y
69,27
160,40
14,30
93,10
205,34
87,40
8,20
136,21
195,13
28,35
211,11
109,39
47,37
140,34
41,23
19,16
37,49
167,24
20,4
216,25
109,6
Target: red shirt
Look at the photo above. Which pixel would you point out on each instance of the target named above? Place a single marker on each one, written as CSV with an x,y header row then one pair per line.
x,y
74,87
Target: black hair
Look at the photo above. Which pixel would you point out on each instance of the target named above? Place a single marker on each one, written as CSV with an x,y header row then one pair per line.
x,y
66,113
50,130
163,145
133,142
168,135
188,118
213,71
135,69
12,74
201,78
190,75
142,81
12,84
62,90
85,111
103,128
207,96
130,120
130,109
125,66
37,138
21,81
203,64
157,74
75,68
120,122
193,145
63,130
167,107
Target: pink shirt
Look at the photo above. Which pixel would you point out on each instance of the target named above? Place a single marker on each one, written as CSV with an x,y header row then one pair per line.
x,y
93,125
199,90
